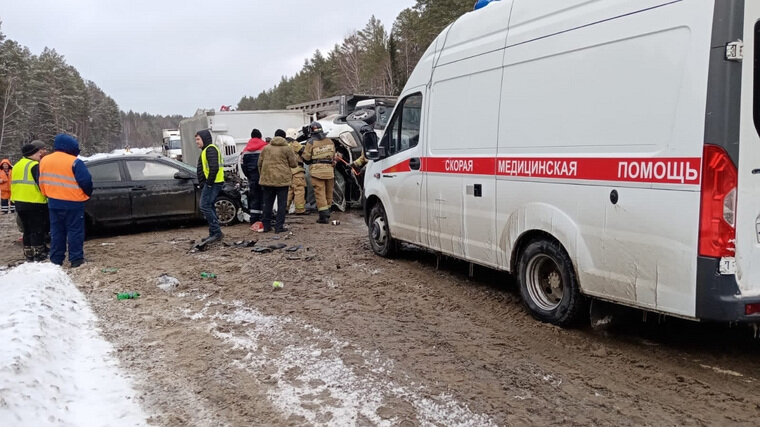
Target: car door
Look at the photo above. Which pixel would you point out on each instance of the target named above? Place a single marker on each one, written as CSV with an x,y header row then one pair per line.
x,y
402,169
110,200
156,192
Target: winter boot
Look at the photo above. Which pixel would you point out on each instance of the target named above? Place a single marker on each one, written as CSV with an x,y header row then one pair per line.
x,y
40,254
29,253
324,217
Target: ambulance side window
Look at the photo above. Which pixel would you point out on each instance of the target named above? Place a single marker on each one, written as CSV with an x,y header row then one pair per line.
x,y
404,129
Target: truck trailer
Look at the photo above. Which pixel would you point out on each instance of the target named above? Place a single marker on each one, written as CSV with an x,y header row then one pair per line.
x,y
231,130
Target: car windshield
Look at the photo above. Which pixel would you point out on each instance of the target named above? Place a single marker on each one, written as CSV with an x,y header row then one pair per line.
x,y
175,144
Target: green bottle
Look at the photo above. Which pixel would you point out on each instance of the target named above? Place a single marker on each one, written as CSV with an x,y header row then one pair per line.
x,y
208,275
127,295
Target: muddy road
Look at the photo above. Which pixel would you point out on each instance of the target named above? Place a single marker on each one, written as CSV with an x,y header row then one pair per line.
x,y
353,339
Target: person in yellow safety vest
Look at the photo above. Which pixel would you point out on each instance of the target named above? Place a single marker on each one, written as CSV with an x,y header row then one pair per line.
x,y
320,155
67,183
211,179
31,204
297,191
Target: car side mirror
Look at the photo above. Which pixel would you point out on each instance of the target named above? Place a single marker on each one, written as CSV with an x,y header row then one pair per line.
x,y
183,175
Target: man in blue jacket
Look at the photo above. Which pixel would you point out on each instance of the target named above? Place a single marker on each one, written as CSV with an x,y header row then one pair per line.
x,y
66,182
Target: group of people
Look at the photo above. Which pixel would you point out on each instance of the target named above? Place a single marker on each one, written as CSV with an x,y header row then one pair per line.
x,y
275,171
49,192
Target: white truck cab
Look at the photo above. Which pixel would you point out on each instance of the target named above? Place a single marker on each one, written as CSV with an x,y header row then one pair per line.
x,y
594,148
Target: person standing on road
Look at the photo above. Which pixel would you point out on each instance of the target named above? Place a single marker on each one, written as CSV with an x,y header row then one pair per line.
x,y
5,185
275,163
250,155
31,204
67,184
320,154
297,191
211,179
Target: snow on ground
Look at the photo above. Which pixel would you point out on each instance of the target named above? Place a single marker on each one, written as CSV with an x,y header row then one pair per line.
x,y
310,379
55,368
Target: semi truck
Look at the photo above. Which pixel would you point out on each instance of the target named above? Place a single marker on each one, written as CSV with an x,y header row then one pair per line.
x,y
231,130
171,144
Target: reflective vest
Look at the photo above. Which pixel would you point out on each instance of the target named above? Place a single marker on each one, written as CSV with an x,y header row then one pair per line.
x,y
204,160
57,179
23,187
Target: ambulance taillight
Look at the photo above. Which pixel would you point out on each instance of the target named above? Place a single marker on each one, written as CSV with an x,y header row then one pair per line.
x,y
717,223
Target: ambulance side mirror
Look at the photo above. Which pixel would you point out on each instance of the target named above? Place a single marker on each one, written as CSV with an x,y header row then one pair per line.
x,y
369,142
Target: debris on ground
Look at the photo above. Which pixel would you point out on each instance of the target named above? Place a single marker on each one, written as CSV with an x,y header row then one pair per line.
x,y
167,283
127,295
241,244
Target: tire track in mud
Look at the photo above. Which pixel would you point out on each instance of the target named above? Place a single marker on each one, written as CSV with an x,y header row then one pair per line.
x,y
312,376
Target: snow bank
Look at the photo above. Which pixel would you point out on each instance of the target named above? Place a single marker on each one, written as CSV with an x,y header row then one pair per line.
x,y
55,368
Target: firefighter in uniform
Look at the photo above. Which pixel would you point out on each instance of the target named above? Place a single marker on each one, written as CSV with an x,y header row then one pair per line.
x,y
297,191
31,204
319,153
67,183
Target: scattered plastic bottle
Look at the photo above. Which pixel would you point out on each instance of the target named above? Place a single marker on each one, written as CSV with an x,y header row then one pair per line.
x,y
277,284
128,295
109,270
208,275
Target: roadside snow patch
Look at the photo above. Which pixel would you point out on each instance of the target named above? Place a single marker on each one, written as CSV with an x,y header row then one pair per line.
x,y
55,368
309,377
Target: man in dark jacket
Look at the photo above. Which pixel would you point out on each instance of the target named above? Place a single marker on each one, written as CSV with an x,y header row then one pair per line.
x,y
211,180
66,182
250,155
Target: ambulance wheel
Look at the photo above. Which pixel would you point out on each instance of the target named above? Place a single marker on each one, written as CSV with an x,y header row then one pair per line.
x,y
548,283
379,233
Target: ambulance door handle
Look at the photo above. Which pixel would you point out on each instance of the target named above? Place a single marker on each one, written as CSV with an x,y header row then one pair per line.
x,y
414,163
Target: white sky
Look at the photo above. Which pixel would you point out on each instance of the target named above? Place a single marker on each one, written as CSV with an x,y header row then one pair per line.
x,y
175,56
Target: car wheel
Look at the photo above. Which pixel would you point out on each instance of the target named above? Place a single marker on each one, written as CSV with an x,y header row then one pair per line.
x,y
548,283
380,234
226,210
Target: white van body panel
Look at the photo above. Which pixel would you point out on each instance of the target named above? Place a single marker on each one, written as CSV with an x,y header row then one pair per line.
x,y
748,197
587,125
625,94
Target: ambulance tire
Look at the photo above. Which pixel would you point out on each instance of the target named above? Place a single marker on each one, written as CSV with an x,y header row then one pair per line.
x,y
380,234
548,283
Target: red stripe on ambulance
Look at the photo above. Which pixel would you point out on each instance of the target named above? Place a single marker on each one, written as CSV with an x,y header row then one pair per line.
x,y
657,170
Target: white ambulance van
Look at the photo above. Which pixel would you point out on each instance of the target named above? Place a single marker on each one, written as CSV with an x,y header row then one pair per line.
x,y
603,149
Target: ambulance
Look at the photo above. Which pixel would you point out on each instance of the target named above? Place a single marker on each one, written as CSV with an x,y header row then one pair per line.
x,y
595,149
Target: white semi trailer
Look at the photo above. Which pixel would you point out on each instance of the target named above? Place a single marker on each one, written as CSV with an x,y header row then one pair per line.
x,y
231,130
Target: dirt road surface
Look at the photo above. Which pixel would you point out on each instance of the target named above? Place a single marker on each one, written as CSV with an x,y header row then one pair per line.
x,y
354,339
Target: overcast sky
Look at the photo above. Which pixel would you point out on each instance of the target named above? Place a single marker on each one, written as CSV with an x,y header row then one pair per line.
x,y
175,56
